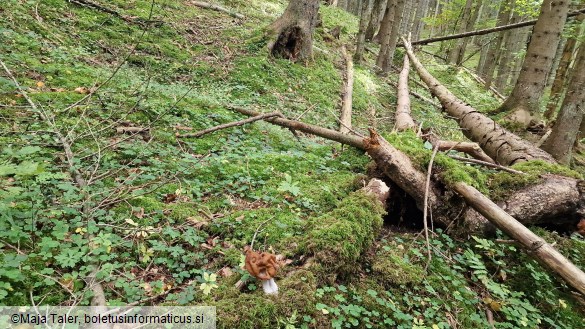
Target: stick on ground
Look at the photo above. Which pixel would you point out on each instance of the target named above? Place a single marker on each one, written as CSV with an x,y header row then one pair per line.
x,y
217,8
231,124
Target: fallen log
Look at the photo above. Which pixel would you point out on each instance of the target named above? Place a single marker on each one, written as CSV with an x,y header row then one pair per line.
x,y
399,168
211,6
347,99
500,144
403,119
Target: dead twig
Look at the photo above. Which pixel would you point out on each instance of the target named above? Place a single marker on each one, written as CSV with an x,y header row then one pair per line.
x,y
231,124
487,164
426,205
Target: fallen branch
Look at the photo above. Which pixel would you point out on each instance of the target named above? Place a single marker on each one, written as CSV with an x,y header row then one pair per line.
x,y
487,164
347,99
231,124
482,82
131,130
217,8
403,119
484,31
465,147
498,143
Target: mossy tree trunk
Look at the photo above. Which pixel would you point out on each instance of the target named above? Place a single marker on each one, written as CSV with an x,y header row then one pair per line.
x,y
564,132
292,33
524,101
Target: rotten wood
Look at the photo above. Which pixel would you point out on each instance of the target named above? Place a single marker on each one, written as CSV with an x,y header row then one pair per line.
x,y
484,31
498,143
347,100
231,124
215,7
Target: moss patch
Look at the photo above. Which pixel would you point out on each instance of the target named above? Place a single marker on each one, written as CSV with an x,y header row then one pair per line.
x,y
338,238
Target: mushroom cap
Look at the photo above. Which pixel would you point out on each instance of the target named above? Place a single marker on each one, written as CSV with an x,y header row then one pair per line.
x,y
261,265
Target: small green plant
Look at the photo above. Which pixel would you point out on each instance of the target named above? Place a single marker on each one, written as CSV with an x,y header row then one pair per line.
x,y
289,186
209,283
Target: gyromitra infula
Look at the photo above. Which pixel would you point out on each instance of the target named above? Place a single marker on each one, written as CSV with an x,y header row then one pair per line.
x,y
262,266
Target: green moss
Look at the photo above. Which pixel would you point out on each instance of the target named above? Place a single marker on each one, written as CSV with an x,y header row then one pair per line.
x,y
391,268
452,171
503,183
339,238
295,296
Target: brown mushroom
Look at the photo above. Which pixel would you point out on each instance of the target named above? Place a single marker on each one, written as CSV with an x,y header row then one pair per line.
x,y
262,266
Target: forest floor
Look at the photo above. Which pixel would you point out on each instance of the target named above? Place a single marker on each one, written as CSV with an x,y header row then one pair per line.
x,y
168,210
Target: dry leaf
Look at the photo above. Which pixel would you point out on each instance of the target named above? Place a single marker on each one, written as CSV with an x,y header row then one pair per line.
x,y
81,90
225,272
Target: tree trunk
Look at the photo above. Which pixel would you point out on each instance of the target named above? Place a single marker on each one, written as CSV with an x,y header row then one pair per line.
x,y
366,15
565,130
292,33
561,73
376,18
386,54
519,42
492,57
498,143
436,13
523,102
467,21
385,30
407,16
403,118
421,12
507,55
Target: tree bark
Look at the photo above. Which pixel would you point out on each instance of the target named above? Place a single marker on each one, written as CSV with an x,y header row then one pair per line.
x,y
566,128
376,18
506,55
292,33
347,100
523,102
403,118
384,60
561,74
498,143
454,53
366,15
421,11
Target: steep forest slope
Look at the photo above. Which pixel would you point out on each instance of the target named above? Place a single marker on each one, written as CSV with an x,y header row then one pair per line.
x,y
116,84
